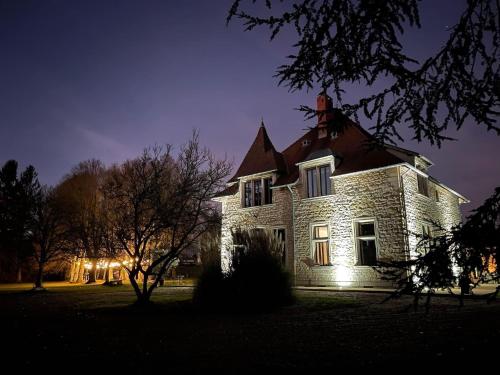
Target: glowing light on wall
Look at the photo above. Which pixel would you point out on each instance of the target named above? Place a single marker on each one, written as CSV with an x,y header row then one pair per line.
x,y
343,275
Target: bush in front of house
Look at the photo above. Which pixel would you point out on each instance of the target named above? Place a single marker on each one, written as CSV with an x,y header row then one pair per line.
x,y
256,279
210,292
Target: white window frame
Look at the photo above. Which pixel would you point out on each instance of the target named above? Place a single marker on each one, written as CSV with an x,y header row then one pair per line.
x,y
317,191
251,180
356,239
316,163
314,241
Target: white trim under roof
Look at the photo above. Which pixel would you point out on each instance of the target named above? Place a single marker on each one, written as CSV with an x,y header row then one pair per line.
x,y
327,158
376,169
408,165
257,175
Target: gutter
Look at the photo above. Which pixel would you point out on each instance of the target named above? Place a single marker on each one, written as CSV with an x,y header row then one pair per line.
x,y
293,230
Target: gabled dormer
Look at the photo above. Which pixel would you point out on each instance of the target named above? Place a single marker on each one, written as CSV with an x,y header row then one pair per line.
x,y
315,172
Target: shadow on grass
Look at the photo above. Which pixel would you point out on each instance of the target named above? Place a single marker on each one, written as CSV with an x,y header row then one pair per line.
x,y
184,306
325,303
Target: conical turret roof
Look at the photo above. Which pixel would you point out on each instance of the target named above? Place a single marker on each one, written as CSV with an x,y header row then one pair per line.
x,y
261,157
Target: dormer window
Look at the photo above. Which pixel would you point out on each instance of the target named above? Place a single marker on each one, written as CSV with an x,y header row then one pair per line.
x,y
257,192
318,181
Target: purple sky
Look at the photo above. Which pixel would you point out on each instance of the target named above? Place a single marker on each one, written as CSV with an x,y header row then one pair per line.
x,y
104,79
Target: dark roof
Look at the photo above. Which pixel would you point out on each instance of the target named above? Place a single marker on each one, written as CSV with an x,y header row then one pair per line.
x,y
354,149
261,157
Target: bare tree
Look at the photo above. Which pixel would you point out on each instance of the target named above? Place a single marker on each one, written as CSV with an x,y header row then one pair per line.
x,y
48,232
341,42
84,211
161,205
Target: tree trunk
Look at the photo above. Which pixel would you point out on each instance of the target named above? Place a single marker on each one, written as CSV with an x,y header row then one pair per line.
x,y
81,271
72,271
143,298
19,276
93,272
106,275
39,277
75,269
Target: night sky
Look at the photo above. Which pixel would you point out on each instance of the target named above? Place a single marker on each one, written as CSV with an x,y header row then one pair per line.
x,y
104,79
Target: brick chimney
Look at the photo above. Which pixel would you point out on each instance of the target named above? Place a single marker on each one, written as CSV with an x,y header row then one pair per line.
x,y
324,109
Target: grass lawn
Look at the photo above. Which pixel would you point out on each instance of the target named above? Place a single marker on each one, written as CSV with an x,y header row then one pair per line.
x,y
88,326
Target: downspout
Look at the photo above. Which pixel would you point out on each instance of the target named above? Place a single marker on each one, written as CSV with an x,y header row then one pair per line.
x,y
293,230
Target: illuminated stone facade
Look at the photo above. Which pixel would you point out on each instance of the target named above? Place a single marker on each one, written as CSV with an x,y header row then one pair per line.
x,y
343,206
389,196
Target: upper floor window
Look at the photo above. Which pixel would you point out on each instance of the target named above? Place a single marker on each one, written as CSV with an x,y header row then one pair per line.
x,y
423,187
366,243
318,181
257,192
268,192
320,245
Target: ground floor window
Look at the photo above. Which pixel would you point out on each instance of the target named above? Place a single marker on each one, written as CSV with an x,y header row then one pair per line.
x,y
366,242
279,234
321,244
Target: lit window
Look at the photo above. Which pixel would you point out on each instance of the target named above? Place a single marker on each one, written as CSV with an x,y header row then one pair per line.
x,y
318,181
320,245
366,243
423,187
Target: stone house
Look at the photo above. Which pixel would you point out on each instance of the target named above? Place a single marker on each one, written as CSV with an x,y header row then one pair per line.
x,y
339,204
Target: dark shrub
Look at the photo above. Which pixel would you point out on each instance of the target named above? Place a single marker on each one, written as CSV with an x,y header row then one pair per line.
x,y
259,282
210,291
256,280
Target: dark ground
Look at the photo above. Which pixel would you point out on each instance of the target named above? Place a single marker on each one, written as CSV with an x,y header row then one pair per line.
x,y
94,326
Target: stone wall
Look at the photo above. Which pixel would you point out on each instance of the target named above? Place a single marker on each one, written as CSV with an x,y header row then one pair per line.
x,y
372,195
382,195
422,210
269,216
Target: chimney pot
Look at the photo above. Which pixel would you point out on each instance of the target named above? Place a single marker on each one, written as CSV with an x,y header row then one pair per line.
x,y
324,109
